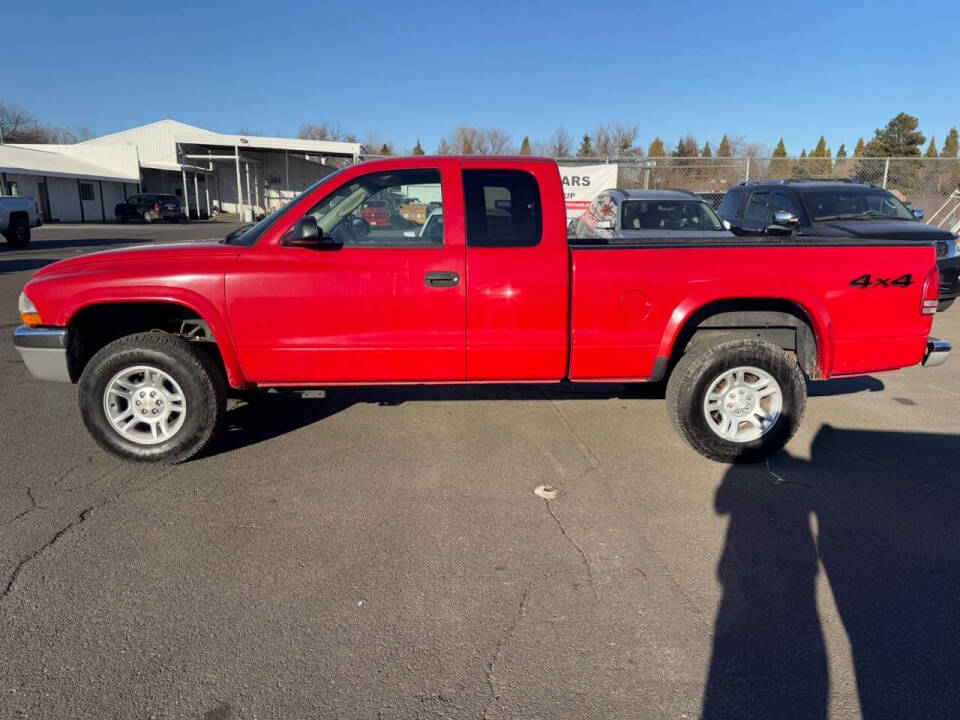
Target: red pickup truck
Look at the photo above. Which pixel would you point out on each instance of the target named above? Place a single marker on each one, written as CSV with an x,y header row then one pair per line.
x,y
313,296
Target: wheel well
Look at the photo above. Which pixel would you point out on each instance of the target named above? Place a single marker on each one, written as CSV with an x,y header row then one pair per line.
x,y
18,215
95,326
780,322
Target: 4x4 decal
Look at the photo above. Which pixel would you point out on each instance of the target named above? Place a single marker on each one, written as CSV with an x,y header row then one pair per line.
x,y
868,281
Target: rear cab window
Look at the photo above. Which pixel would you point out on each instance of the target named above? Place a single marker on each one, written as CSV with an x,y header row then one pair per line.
x,y
730,205
503,208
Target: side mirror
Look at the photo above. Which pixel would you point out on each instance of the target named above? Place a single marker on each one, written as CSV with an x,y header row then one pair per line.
x,y
409,234
727,225
304,234
918,213
785,218
603,225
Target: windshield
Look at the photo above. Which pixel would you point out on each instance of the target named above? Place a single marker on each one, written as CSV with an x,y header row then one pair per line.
x,y
854,205
668,215
247,235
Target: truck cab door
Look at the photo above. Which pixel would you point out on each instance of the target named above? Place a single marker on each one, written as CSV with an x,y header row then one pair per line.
x,y
371,304
517,271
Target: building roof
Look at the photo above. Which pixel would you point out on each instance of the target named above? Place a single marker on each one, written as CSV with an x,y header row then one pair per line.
x,y
68,161
157,143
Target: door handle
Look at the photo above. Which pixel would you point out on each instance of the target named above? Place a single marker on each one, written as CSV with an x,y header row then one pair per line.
x,y
441,279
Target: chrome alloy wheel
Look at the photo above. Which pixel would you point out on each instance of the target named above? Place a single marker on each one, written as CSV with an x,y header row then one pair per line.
x,y
145,405
742,404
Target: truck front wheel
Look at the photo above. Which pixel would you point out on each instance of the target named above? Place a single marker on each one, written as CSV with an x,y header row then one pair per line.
x,y
152,397
736,400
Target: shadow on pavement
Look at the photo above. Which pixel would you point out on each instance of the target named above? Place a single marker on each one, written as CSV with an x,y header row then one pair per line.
x,y
12,266
266,416
878,511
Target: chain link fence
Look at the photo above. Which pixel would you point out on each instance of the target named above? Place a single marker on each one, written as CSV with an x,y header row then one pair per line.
x,y
930,184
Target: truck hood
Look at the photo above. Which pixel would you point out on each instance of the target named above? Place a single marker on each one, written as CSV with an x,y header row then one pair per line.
x,y
884,230
143,254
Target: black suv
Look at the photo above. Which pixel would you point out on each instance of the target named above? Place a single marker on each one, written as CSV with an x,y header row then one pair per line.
x,y
149,207
832,209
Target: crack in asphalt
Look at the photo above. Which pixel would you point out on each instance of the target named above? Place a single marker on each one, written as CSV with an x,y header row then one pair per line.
x,y
780,480
501,642
84,514
81,518
33,506
575,544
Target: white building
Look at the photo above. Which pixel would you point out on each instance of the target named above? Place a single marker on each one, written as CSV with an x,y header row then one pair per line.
x,y
206,170
71,183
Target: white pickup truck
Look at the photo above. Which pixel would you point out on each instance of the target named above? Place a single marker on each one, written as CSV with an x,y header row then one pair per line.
x,y
17,215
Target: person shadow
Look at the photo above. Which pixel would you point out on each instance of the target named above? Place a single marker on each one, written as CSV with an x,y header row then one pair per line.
x,y
878,511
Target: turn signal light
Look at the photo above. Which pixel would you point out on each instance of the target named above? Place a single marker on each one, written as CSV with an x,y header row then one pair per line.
x,y
28,311
931,293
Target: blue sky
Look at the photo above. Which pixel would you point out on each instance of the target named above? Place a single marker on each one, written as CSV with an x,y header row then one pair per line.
x,y
416,70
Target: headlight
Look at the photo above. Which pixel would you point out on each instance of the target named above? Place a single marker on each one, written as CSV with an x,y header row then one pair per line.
x,y
28,311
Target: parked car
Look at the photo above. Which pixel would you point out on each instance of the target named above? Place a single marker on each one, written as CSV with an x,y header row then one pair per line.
x,y
623,216
838,210
150,207
377,213
432,229
303,300
17,215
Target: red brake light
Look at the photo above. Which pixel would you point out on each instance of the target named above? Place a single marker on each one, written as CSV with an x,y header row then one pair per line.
x,y
156,206
931,293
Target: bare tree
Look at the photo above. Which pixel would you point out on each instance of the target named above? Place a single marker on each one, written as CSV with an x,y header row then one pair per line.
x,y
616,140
375,144
469,140
560,144
498,142
325,131
17,124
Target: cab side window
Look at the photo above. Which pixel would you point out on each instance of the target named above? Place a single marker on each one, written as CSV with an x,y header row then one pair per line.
x,y
502,208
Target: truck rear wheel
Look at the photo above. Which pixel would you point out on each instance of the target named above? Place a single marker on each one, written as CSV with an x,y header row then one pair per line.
x,y
152,397
18,232
736,400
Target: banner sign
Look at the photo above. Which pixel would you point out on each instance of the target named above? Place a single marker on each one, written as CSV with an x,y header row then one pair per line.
x,y
582,183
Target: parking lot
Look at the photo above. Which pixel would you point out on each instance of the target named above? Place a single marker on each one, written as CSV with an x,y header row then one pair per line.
x,y
382,552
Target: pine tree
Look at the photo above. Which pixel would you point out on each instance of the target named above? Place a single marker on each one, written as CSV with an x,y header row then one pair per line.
x,y
858,149
803,153
723,150
707,152
779,167
842,152
418,148
385,149
951,144
586,149
898,138
656,148
931,148
525,146
822,165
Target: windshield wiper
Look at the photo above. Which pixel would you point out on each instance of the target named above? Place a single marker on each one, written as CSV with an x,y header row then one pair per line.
x,y
239,231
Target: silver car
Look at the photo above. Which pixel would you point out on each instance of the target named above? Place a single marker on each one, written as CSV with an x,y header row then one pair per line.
x,y
624,216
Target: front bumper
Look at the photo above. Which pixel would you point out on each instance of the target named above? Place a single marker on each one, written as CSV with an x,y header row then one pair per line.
x,y
44,351
937,352
949,269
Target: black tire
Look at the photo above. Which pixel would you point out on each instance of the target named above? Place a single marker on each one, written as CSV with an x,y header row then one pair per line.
x,y
944,304
18,232
200,379
697,369
121,217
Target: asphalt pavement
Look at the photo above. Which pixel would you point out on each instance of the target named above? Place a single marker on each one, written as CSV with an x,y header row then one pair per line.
x,y
383,553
